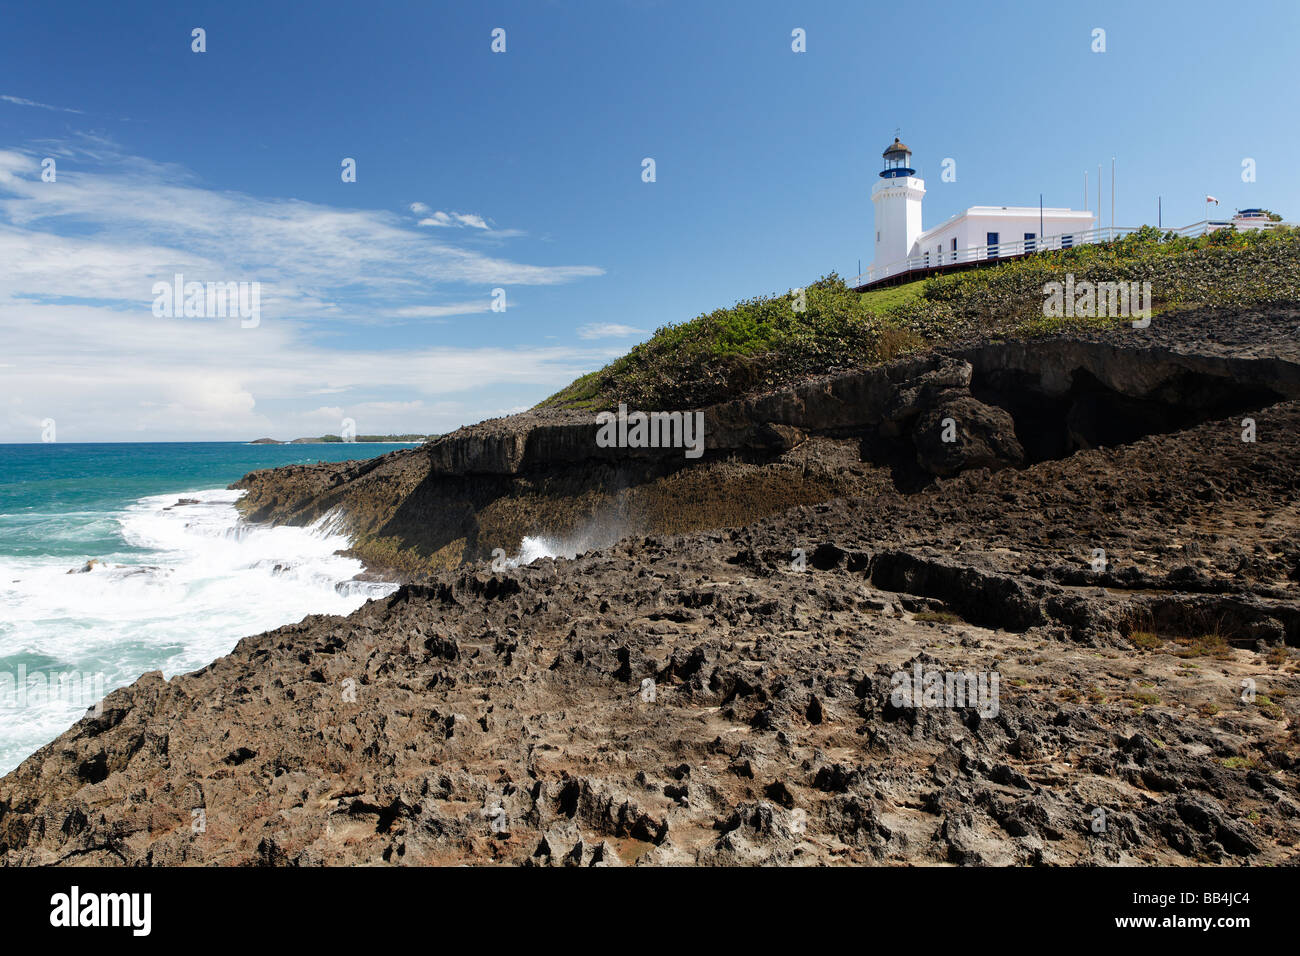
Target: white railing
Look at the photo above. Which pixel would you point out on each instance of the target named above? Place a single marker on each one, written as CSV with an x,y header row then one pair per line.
x,y
1020,247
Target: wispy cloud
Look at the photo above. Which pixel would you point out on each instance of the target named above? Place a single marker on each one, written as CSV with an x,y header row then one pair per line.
x,y
80,256
19,101
442,311
607,330
461,219
129,223
105,374
430,218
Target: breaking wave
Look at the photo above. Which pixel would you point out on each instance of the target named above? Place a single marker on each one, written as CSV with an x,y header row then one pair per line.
x,y
188,580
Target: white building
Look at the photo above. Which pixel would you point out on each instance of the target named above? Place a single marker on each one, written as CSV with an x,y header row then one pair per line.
x,y
981,232
1244,219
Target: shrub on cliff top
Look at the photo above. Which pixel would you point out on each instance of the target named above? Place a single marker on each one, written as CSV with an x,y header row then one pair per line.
x,y
762,343
1224,268
758,343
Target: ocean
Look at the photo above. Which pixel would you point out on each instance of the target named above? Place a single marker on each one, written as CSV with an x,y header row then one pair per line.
x,y
174,586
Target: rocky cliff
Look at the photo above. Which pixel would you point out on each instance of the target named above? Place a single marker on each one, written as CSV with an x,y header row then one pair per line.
x,y
998,404
1114,568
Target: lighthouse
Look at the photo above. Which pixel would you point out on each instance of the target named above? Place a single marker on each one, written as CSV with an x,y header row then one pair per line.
x,y
977,234
896,197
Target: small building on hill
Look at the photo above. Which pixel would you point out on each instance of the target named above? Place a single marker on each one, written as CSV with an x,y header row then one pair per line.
x,y
980,232
1244,220
1255,219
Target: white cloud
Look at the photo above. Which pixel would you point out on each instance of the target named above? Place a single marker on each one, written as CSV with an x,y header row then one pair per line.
x,y
442,311
19,101
607,330
332,414
82,346
103,374
140,222
459,219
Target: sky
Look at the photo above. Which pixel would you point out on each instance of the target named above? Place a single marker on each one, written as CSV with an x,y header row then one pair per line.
x,y
523,171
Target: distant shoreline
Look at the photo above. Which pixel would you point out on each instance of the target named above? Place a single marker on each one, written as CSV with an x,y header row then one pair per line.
x,y
359,440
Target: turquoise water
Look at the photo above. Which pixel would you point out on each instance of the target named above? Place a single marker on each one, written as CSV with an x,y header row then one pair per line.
x,y
174,585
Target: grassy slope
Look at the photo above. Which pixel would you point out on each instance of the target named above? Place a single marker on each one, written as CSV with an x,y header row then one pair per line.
x,y
765,342
892,297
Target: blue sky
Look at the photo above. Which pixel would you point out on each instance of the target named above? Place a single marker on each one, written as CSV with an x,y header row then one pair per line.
x,y
525,170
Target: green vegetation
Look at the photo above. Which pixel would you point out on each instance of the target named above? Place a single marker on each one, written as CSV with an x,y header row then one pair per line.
x,y
937,617
759,343
1269,708
1145,640
763,342
892,297
1202,645
1143,698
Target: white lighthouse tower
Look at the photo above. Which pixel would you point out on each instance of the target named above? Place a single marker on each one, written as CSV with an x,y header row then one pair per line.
x,y
897,199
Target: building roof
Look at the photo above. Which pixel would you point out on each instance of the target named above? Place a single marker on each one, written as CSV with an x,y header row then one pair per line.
x,y
896,147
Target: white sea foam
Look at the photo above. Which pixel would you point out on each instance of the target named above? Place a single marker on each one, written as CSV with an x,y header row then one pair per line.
x,y
202,581
532,549
596,534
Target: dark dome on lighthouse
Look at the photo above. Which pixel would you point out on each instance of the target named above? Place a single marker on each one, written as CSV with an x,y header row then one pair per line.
x,y
898,161
897,146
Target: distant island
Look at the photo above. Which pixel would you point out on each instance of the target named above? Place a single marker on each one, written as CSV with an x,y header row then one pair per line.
x,y
328,439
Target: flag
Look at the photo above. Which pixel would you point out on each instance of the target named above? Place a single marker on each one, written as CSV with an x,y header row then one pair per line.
x,y
1211,199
